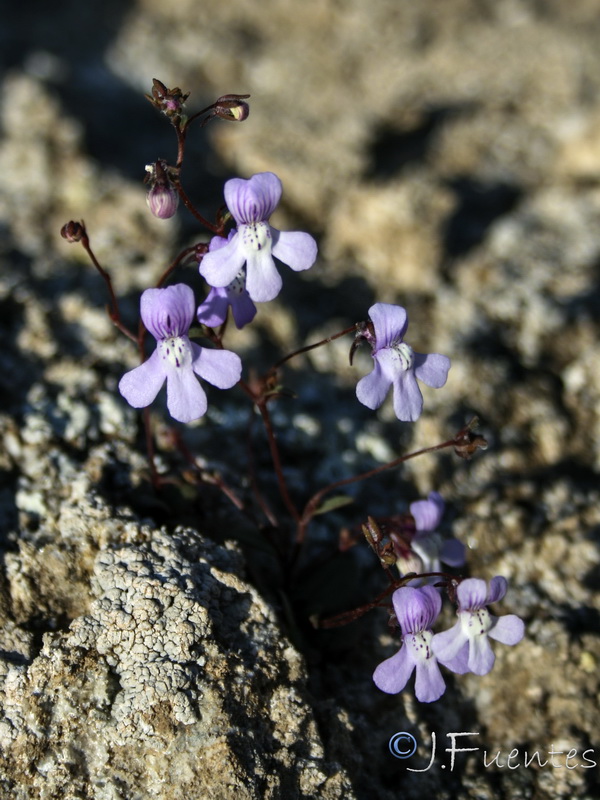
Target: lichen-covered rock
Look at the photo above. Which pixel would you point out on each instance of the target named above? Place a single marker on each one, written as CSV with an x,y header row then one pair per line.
x,y
446,155
178,669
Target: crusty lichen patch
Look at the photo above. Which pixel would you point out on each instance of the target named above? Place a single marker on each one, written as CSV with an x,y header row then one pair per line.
x,y
178,665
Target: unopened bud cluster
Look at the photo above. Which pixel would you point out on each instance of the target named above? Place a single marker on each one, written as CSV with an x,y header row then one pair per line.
x,y
170,101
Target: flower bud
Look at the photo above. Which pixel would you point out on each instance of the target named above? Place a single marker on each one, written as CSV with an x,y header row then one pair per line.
x,y
162,201
170,101
467,443
232,107
162,197
73,231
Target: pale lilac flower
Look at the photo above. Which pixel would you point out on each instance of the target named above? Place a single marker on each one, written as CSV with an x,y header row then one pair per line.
x,y
416,610
397,365
465,647
168,314
213,311
255,242
428,545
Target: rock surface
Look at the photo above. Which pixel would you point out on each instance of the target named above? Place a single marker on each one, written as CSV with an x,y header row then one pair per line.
x,y
446,156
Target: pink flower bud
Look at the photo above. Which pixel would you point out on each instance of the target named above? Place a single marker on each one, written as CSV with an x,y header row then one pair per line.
x,y
162,197
162,201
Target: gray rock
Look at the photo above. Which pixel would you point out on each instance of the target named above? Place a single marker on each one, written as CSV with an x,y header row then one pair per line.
x,y
178,668
447,156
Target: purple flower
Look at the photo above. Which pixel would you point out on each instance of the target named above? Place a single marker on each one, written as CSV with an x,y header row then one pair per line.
x,y
465,647
168,314
428,544
397,365
255,242
213,311
416,610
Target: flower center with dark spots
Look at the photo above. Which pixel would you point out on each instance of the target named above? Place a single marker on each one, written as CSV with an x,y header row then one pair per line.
x,y
256,235
475,623
238,284
176,350
420,644
405,354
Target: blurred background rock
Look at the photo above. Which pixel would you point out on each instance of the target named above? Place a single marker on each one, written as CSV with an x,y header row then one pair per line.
x,y
447,157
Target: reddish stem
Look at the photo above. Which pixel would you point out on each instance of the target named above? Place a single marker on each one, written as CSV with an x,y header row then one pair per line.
x,y
262,503
349,616
156,481
113,312
205,477
308,347
261,404
190,207
173,265
313,503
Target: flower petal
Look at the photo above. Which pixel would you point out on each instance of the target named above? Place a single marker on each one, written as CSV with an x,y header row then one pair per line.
x,y
432,369
481,655
429,684
186,399
497,590
427,546
453,553
373,388
253,200
390,362
392,675
263,282
222,368
416,608
296,249
140,386
507,630
243,309
168,312
472,594
408,400
428,513
451,648
220,266
213,311
390,323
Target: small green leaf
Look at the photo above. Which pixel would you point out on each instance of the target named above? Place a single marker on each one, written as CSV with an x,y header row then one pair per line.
x,y
334,502
196,332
